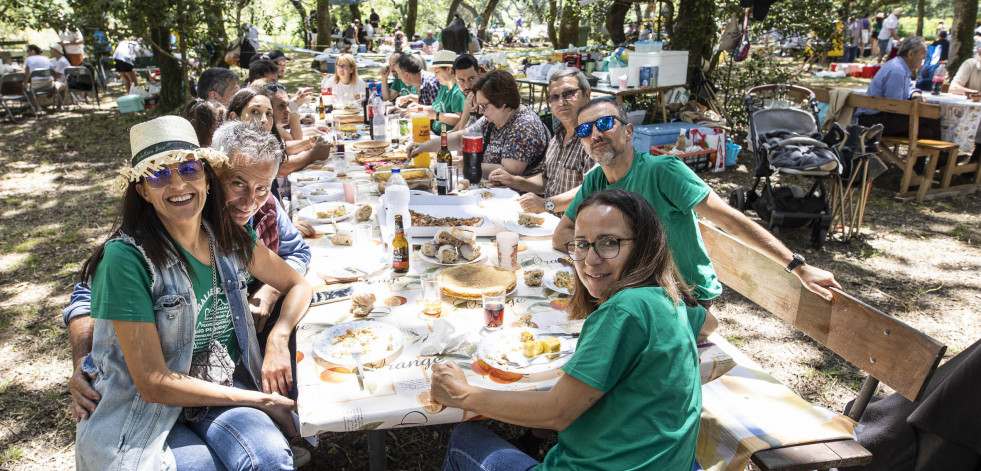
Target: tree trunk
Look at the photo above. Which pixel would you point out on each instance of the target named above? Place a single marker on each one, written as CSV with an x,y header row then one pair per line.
x,y
171,78
216,34
553,14
919,17
614,21
303,28
323,25
569,24
667,16
695,31
962,33
410,19
355,12
454,4
469,9
486,15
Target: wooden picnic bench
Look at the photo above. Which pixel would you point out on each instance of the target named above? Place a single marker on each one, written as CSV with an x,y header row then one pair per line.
x,y
905,151
885,348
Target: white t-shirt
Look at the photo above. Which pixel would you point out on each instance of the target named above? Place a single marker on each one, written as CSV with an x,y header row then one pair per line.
x,y
125,51
59,65
343,94
71,36
38,62
888,27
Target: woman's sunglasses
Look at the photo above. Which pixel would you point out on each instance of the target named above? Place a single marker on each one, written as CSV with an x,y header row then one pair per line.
x,y
604,124
189,170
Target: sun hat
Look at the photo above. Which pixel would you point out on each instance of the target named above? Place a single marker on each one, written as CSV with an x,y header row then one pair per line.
x,y
55,46
897,12
160,142
444,58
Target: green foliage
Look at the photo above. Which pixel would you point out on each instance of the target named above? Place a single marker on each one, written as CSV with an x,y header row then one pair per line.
x,y
821,20
735,78
907,26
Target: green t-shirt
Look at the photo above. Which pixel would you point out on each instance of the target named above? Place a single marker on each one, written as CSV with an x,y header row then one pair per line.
x,y
448,100
122,291
639,349
673,190
399,86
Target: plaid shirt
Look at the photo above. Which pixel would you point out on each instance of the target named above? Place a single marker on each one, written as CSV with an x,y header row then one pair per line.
x,y
429,88
566,163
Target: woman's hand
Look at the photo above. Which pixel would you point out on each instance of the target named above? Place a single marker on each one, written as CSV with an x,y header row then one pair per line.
x,y
302,225
450,385
277,374
278,409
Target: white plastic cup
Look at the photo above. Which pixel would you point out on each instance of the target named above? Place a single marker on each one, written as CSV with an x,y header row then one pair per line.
x,y
362,235
623,82
507,250
362,191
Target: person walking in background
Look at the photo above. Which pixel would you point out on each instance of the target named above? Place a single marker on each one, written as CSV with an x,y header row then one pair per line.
x,y
866,25
876,29
890,32
73,43
374,19
125,57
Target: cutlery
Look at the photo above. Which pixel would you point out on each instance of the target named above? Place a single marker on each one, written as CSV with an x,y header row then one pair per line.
x,y
526,361
330,280
357,359
355,270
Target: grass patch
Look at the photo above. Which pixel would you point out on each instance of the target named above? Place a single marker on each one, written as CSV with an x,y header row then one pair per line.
x,y
25,246
69,237
11,455
735,340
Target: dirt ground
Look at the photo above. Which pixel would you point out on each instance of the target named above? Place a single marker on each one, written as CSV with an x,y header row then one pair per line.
x,y
918,262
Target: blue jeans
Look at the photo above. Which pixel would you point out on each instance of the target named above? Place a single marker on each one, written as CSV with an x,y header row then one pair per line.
x,y
230,438
474,447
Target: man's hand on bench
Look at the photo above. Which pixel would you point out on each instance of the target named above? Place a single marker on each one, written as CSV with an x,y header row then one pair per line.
x,y
816,280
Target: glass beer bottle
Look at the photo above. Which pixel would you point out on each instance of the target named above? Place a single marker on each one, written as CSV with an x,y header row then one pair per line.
x,y
443,162
400,248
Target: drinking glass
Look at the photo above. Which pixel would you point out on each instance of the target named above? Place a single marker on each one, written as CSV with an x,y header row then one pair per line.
x,y
339,162
507,250
432,296
493,302
362,192
362,236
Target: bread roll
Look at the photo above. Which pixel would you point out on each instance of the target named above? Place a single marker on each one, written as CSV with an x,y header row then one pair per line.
x,y
530,220
447,254
465,236
362,304
533,276
470,252
363,214
446,237
430,249
342,238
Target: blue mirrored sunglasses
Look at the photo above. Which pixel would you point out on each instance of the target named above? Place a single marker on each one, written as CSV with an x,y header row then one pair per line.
x,y
604,124
189,170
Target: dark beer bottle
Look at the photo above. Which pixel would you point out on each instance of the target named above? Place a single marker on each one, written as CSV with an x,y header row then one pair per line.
x,y
400,248
443,162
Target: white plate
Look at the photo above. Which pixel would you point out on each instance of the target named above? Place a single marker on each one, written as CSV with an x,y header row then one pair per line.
x,y
374,352
498,193
310,212
321,176
508,341
546,229
460,260
548,279
328,192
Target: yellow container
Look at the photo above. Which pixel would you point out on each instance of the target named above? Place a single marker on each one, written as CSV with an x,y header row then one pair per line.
x,y
420,133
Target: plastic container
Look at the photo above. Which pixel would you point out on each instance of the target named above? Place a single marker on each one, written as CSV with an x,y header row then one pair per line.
x,y
642,46
732,152
697,161
397,201
131,103
650,135
672,66
378,121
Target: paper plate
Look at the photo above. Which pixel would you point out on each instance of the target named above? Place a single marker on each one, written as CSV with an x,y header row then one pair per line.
x,y
311,177
310,212
387,343
546,229
548,279
507,342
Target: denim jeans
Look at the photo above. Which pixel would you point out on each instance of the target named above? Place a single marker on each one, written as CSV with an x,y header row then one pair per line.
x,y
230,438
474,447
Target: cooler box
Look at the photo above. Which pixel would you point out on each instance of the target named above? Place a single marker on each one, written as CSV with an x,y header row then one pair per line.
x,y
130,103
650,135
672,67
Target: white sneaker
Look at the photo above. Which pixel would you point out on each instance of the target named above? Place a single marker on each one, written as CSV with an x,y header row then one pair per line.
x,y
301,456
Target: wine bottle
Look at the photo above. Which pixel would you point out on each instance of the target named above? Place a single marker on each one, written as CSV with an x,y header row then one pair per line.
x,y
443,162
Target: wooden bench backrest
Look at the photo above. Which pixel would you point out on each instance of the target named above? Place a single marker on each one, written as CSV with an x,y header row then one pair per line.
x,y
882,346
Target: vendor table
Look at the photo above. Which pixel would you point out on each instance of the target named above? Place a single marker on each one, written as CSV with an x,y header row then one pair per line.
x,y
617,93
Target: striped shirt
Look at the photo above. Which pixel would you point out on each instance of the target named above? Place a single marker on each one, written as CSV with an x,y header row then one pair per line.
x,y
429,88
566,163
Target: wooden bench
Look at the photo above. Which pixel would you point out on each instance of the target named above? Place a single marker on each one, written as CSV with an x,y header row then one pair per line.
x,y
892,149
885,348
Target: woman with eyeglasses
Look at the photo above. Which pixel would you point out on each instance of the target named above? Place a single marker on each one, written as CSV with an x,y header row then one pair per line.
x,y
631,396
345,85
174,351
515,138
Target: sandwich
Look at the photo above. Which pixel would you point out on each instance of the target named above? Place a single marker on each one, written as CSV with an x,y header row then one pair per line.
x,y
430,249
465,236
446,237
469,252
363,214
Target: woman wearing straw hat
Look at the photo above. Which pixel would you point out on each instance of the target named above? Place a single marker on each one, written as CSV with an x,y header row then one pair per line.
x,y
446,108
174,353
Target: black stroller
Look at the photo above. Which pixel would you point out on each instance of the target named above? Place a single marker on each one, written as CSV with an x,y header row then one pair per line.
x,y
785,139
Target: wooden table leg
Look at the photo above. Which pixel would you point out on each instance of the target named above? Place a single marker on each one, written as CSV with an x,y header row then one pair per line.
x,y
376,451
948,171
927,181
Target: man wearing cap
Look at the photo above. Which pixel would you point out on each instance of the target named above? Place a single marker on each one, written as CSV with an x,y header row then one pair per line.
x,y
466,71
280,59
411,72
446,108
890,32
566,162
397,88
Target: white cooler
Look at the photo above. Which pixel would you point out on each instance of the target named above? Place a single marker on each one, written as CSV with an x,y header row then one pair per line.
x,y
672,67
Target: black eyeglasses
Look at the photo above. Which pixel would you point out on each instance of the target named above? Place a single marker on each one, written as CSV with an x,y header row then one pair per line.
x,y
605,247
189,170
275,86
604,124
567,95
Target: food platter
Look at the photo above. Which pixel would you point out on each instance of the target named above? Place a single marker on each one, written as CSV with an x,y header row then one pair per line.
x,y
507,343
546,229
343,211
321,192
460,260
378,340
311,177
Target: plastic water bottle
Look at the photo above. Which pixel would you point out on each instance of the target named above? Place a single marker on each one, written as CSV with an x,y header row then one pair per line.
x,y
378,121
938,77
397,202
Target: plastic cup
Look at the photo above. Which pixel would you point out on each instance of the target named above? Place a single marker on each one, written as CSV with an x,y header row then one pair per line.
x,y
339,161
623,82
362,235
362,191
349,192
432,295
507,250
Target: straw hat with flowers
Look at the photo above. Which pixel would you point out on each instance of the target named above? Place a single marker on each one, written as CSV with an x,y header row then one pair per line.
x,y
160,142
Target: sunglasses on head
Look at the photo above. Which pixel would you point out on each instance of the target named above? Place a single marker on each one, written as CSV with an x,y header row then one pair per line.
x,y
603,124
189,170
275,86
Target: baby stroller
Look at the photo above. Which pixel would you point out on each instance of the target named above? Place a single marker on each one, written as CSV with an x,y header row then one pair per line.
x,y
785,140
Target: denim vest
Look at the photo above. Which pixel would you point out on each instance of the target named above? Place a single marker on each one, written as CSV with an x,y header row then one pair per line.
x,y
125,432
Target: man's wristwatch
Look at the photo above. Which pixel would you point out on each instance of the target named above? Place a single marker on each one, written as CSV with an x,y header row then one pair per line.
x,y
797,261
437,116
549,205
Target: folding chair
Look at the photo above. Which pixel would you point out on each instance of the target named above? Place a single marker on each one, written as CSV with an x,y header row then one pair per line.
x,y
12,89
42,73
81,80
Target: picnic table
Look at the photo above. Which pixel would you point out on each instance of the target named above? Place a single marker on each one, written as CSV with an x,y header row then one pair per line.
x,y
618,93
959,118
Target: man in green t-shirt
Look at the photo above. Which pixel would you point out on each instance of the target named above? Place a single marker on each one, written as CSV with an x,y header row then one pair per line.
x,y
678,196
446,108
397,88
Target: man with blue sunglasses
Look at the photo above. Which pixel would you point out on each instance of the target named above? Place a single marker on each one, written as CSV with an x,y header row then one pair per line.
x,y
678,196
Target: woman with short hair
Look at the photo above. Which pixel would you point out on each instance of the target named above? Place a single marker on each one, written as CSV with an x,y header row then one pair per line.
x,y
345,85
631,394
